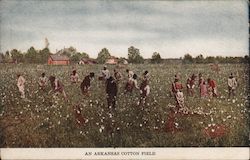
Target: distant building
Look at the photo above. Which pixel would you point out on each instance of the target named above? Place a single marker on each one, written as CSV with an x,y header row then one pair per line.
x,y
87,61
112,60
57,59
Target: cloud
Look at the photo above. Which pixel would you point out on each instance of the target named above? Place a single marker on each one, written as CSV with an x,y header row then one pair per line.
x,y
217,27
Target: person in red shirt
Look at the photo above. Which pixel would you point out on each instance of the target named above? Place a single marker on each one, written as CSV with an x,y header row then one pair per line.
x,y
212,87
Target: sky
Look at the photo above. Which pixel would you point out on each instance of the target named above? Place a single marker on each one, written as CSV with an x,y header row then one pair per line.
x,y
171,28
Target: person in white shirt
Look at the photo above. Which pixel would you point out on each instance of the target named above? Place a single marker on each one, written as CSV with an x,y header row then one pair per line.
x,y
43,80
20,85
105,73
232,85
74,77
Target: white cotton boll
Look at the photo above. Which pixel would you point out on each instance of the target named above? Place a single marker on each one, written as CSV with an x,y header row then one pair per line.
x,y
100,130
86,121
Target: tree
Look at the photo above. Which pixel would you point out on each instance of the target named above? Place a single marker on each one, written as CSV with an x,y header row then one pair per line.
x,y
103,55
188,58
1,57
16,55
210,59
76,57
134,55
32,55
156,58
84,55
44,54
199,59
7,57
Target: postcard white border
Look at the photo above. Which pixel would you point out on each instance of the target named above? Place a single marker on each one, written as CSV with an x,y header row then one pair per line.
x,y
216,153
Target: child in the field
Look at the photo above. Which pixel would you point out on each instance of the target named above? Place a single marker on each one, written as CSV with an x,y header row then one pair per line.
x,y
20,85
131,84
177,91
85,85
212,88
43,80
57,86
232,85
191,85
74,77
111,90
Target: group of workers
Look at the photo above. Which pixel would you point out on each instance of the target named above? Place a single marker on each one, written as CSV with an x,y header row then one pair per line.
x,y
111,81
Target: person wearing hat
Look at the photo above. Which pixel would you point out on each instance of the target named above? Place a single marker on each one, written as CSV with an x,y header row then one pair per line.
x,y
85,85
177,91
232,85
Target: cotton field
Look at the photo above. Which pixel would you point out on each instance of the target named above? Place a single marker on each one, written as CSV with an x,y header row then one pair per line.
x,y
44,119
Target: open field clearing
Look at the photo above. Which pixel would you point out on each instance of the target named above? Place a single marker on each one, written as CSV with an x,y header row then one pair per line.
x,y
46,120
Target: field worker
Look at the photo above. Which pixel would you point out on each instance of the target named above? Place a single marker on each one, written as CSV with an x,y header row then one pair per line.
x,y
212,88
177,91
105,73
131,83
74,77
190,85
117,75
57,86
144,91
111,90
43,80
203,90
130,73
232,85
145,75
85,85
20,85
201,81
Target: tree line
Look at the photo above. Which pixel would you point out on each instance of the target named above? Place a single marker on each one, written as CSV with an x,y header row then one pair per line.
x,y
134,56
